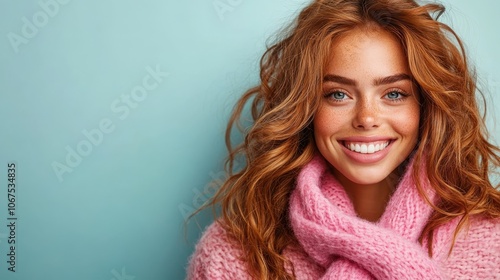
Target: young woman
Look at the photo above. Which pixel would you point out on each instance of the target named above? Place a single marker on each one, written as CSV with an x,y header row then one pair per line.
x,y
367,158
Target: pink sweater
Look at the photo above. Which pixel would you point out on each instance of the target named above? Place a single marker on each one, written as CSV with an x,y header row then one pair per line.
x,y
335,244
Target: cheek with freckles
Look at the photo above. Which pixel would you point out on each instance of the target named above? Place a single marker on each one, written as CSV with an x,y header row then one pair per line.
x,y
408,123
328,120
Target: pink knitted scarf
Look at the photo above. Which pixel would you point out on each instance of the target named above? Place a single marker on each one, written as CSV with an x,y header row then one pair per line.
x,y
348,247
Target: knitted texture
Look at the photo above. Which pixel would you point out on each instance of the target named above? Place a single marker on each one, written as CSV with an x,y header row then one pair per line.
x,y
335,244
326,225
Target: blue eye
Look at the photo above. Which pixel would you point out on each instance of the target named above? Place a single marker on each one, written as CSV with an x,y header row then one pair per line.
x,y
395,95
337,95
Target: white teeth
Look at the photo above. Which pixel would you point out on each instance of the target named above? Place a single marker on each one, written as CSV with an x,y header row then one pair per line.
x,y
371,149
366,148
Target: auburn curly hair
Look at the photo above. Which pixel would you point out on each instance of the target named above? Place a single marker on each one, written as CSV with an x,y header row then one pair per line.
x,y
458,155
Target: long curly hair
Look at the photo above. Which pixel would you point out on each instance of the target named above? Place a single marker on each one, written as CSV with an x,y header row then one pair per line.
x,y
458,155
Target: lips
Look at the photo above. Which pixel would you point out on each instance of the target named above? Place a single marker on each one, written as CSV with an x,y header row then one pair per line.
x,y
366,147
366,150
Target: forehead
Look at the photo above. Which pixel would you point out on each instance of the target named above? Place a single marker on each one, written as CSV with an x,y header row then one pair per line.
x,y
367,51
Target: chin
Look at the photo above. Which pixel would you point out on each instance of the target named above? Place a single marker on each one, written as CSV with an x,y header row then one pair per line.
x,y
363,176
368,181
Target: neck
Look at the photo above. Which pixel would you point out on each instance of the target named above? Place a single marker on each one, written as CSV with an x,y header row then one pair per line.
x,y
369,201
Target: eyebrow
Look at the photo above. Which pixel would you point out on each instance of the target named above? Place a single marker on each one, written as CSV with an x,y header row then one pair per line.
x,y
377,82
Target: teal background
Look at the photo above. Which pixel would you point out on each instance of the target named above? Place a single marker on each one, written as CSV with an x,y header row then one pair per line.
x,y
119,213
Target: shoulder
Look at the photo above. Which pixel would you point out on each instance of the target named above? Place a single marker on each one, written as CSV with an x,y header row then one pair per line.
x,y
301,264
476,252
217,256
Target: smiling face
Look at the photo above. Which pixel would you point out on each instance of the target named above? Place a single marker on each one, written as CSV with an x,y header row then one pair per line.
x,y
367,124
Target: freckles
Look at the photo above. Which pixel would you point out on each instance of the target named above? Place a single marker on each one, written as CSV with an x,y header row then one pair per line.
x,y
409,121
414,114
327,119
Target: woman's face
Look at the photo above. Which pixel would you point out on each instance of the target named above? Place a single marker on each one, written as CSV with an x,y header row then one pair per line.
x,y
368,121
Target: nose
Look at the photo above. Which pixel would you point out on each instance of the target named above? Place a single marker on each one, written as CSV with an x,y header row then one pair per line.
x,y
367,115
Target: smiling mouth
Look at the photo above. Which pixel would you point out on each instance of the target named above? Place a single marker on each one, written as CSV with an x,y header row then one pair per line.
x,y
366,147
